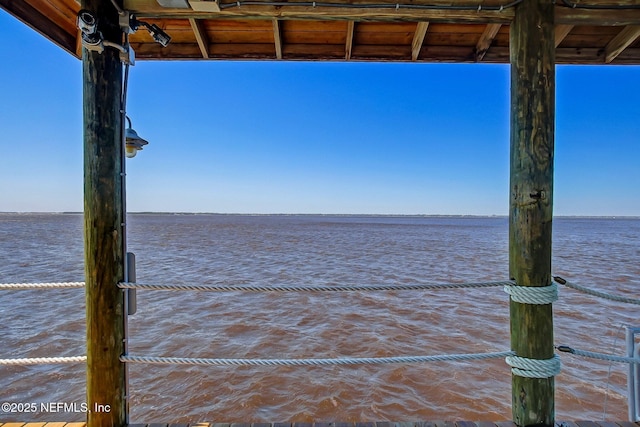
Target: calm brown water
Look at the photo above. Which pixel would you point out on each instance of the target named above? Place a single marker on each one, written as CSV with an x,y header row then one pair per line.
x,y
601,253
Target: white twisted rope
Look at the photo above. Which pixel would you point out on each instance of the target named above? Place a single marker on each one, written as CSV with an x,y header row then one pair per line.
x,y
534,368
596,293
312,288
533,294
42,360
599,356
22,286
307,362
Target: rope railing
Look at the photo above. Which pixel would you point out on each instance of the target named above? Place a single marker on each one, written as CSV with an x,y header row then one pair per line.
x,y
517,292
54,285
592,292
599,356
520,366
26,361
309,288
42,361
311,362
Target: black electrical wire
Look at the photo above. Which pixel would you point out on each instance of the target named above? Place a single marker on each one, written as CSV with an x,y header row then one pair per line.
x,y
118,8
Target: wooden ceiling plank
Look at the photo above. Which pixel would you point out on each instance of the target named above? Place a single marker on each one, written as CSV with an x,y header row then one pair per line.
x,y
348,48
41,23
562,31
277,38
418,39
620,42
484,43
201,36
598,17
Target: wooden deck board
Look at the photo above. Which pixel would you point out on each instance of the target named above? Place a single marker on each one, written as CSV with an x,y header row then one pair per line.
x,y
566,424
606,424
579,423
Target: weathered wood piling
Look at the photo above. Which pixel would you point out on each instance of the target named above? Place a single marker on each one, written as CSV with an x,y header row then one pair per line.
x,y
104,222
531,200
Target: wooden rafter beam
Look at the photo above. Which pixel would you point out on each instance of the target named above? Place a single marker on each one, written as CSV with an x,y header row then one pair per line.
x,y
561,32
277,38
348,47
79,44
151,9
484,43
418,39
563,14
201,36
620,42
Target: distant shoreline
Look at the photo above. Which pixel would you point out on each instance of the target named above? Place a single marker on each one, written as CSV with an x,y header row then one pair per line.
x,y
331,215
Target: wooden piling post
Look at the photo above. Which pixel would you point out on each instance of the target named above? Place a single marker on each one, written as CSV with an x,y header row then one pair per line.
x,y
531,184
103,222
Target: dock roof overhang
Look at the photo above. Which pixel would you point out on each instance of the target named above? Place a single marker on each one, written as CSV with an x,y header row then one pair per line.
x,y
586,32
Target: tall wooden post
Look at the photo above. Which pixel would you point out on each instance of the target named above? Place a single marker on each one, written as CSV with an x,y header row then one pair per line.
x,y
530,219
103,222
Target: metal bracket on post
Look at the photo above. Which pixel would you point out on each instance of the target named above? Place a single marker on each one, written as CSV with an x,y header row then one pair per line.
x,y
130,307
132,301
633,378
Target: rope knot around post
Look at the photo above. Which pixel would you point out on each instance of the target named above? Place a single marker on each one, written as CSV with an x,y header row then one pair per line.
x,y
534,368
533,294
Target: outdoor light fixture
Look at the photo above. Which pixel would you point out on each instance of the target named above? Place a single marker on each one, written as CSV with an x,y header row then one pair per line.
x,y
133,143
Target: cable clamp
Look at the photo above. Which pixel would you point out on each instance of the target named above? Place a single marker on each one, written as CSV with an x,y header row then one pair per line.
x,y
397,6
539,295
565,349
534,368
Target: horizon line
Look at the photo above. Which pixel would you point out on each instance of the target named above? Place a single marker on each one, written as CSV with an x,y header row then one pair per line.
x,y
317,214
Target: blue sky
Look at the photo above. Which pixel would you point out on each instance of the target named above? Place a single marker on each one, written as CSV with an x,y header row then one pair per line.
x,y
294,137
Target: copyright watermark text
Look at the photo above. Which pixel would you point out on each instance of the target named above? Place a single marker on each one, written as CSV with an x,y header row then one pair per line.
x,y
52,407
